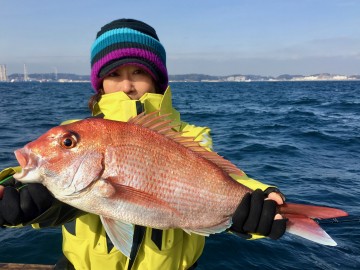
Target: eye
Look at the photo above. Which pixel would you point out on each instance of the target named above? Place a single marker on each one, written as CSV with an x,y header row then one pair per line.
x,y
140,71
113,74
68,141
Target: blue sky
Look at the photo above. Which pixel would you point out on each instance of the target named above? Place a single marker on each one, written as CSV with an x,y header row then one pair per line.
x,y
200,36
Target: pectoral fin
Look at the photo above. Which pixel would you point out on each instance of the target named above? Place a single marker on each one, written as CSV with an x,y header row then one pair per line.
x,y
120,233
138,197
211,230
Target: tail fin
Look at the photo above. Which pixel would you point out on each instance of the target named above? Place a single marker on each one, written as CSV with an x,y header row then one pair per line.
x,y
301,221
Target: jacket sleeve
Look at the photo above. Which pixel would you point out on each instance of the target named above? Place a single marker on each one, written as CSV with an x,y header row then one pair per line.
x,y
251,183
200,134
59,213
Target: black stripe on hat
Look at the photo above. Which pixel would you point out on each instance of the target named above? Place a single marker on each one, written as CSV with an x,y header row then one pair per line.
x,y
129,23
122,61
123,45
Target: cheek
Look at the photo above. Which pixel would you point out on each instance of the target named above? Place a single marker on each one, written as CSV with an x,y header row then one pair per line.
x,y
145,87
58,163
109,86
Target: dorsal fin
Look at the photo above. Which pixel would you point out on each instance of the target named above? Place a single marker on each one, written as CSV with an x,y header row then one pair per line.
x,y
161,124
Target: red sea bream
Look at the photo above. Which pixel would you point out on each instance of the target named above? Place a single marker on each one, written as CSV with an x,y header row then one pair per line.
x,y
143,172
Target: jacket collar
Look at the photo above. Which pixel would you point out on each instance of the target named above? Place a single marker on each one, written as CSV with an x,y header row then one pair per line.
x,y
118,106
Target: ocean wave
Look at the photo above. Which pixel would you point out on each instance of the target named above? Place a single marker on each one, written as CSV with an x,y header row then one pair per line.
x,y
278,149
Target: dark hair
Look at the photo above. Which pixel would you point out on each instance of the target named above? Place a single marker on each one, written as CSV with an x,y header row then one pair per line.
x,y
95,99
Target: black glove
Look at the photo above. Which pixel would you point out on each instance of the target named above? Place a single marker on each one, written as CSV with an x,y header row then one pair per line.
x,y
22,203
256,215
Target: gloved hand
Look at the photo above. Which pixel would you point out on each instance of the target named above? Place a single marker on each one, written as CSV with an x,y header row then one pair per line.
x,y
256,215
20,203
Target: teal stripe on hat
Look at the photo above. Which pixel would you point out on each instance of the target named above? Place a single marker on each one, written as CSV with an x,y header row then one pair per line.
x,y
126,35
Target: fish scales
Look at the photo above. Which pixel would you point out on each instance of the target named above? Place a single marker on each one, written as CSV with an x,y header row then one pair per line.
x,y
179,177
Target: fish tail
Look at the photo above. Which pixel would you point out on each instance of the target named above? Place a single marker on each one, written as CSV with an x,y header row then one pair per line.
x,y
301,221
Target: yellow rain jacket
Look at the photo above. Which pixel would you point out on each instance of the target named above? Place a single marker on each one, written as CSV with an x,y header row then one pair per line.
x,y
85,243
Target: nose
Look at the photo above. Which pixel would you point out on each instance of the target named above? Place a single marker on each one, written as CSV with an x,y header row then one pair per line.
x,y
127,86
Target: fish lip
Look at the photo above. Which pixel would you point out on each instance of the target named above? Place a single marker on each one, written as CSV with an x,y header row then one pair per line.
x,y
28,163
27,176
21,156
21,174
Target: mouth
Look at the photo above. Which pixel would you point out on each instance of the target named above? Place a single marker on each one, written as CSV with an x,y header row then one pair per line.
x,y
28,163
21,157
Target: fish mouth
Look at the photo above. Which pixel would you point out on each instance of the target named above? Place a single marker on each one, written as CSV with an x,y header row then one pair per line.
x,y
29,164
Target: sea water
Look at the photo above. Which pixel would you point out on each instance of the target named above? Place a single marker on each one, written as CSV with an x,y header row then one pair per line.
x,y
303,137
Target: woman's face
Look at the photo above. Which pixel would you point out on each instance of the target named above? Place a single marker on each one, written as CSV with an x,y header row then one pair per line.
x,y
130,79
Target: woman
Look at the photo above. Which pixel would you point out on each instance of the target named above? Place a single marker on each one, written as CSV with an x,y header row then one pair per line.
x,y
129,75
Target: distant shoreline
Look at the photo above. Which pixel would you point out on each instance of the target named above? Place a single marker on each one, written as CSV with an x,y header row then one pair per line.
x,y
67,77
185,81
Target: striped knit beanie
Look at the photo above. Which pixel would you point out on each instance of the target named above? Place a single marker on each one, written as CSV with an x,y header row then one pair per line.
x,y
128,41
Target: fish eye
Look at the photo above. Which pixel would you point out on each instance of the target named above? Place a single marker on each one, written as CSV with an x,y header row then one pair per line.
x,y
68,141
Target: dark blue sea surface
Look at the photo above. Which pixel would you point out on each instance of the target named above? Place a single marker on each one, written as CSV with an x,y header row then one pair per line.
x,y
303,137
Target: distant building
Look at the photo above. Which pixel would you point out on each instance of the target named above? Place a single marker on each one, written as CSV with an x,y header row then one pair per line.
x,y
3,75
26,76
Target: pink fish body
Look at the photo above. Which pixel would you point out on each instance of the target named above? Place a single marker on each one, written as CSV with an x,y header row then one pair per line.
x,y
142,172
